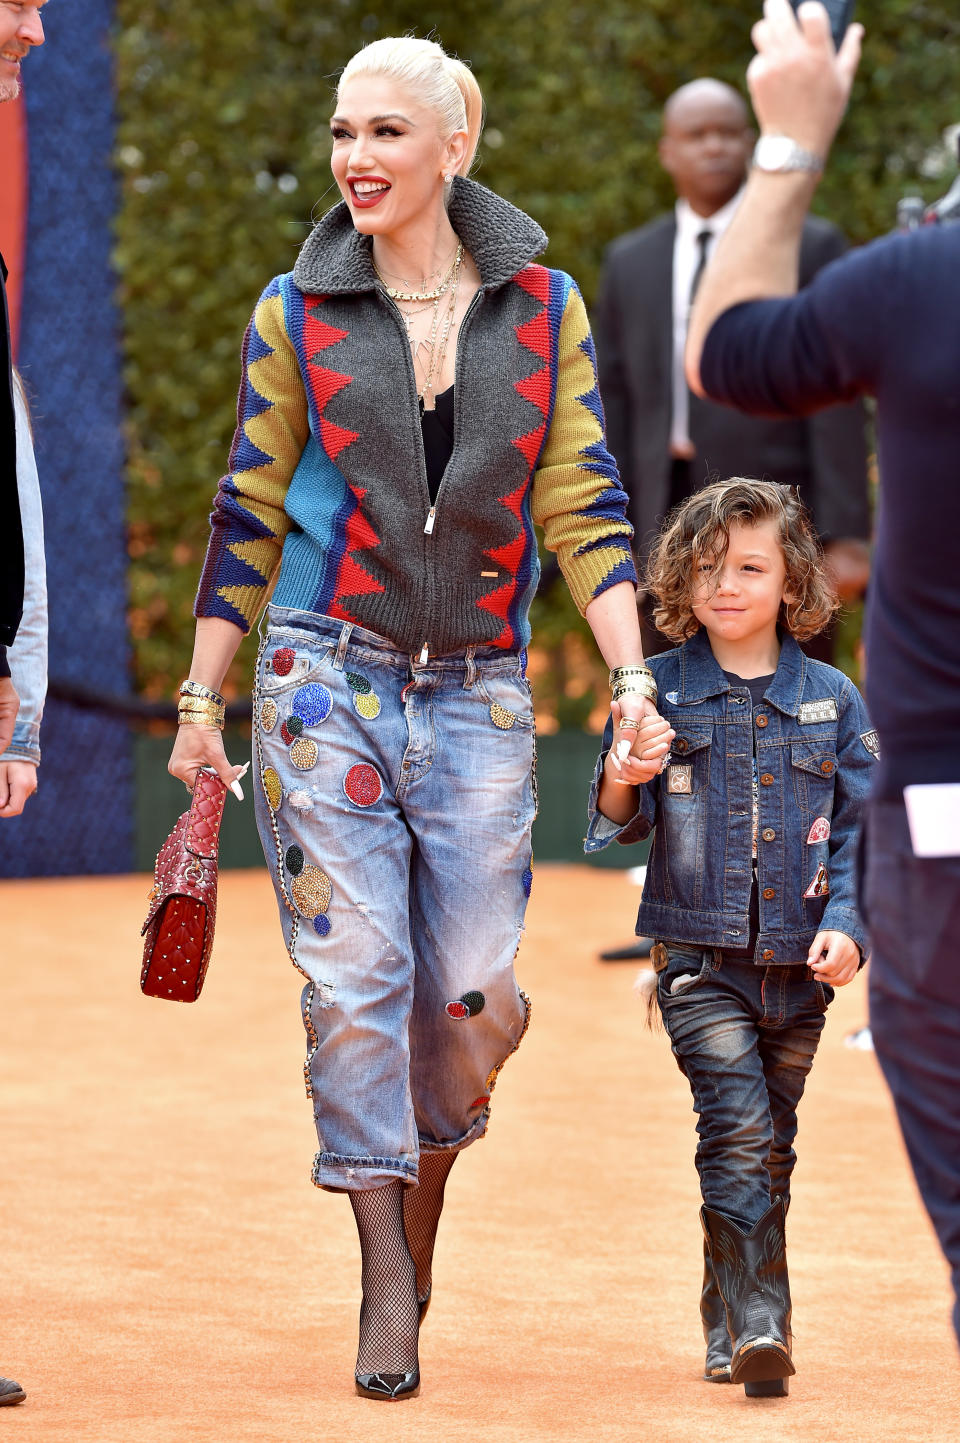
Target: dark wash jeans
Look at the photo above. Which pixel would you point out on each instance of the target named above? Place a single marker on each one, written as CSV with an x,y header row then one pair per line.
x,y
912,906
744,1037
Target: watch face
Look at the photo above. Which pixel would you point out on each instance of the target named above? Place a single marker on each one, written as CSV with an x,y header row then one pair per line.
x,y
773,152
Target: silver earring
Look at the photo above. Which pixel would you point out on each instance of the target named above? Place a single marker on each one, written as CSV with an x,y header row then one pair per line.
x,y
448,180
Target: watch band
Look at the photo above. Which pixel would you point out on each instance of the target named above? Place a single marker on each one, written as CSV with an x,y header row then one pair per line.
x,y
777,154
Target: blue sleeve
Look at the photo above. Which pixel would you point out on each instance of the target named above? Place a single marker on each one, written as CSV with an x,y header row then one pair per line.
x,y
600,830
856,759
793,356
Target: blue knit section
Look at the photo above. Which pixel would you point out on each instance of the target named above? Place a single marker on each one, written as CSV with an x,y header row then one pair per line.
x,y
258,348
319,501
623,571
247,456
604,543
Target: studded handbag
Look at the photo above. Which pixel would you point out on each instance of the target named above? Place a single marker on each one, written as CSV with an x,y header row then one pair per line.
x,y
183,902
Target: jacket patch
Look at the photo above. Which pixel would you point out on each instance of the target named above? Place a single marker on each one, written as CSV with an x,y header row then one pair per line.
x,y
680,779
872,743
820,886
819,832
671,697
821,710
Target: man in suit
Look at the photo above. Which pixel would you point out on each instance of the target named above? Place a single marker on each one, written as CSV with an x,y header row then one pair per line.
x,y
20,29
667,441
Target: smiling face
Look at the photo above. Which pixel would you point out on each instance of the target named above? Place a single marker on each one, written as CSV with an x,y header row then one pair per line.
x,y
706,144
739,599
389,157
20,28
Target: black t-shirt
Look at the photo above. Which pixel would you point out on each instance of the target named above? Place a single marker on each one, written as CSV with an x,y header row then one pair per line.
x,y
437,427
756,685
885,321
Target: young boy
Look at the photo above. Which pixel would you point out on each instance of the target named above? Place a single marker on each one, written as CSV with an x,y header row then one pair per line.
x,y
750,881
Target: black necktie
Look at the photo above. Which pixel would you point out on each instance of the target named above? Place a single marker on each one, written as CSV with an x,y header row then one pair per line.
x,y
703,241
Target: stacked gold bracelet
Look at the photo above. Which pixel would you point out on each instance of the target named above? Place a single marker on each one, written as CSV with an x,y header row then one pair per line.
x,y
633,680
201,707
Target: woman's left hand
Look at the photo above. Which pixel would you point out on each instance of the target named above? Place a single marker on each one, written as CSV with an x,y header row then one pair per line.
x,y
18,782
641,739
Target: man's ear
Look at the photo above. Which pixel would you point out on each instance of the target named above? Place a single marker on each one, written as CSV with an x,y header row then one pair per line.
x,y
665,152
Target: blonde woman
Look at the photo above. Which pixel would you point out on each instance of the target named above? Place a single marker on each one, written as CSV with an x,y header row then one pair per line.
x,y
416,393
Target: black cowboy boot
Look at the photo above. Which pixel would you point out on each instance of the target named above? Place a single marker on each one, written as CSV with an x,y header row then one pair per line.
x,y
713,1315
751,1272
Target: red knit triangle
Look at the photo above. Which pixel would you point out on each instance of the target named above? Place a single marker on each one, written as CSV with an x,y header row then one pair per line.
x,y
354,581
334,438
536,389
325,384
529,445
535,280
318,335
535,335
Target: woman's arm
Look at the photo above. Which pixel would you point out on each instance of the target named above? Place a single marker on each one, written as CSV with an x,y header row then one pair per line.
x,y
202,746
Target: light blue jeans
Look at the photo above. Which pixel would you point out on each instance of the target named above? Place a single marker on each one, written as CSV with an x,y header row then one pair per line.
x,y
395,801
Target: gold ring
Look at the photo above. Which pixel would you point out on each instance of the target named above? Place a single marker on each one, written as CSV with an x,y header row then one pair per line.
x,y
628,723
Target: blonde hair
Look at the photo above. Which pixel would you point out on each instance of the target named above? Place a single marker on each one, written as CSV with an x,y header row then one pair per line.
x,y
699,529
437,79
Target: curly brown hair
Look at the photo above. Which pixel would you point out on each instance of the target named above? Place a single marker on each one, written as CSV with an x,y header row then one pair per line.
x,y
699,529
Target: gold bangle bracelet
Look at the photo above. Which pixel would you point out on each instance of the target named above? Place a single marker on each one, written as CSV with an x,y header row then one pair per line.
x,y
200,721
194,688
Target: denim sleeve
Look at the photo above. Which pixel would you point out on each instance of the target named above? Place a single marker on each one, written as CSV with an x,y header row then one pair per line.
x,y
28,655
600,830
854,778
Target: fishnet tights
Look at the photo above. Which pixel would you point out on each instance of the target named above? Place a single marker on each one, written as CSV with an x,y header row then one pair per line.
x,y
389,1315
422,1206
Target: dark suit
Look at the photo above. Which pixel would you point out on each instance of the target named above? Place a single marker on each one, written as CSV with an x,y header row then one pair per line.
x,y
11,535
825,456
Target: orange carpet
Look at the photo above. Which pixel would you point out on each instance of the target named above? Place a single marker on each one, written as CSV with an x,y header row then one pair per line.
x,y
170,1274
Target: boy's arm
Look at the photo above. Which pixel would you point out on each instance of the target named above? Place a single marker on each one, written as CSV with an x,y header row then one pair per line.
x,y
617,812
854,778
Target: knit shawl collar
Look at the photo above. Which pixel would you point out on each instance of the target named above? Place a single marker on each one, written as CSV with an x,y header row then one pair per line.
x,y
336,258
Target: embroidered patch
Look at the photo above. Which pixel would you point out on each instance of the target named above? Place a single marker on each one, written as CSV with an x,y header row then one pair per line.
x,y
480,1101
313,703
286,734
358,683
269,714
824,709
501,717
469,1005
294,725
304,753
273,788
283,659
872,743
362,785
672,697
321,925
820,886
294,860
819,832
680,779
527,880
312,891
367,705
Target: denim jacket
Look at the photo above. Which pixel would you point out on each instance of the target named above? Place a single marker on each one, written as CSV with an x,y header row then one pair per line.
x,y
815,754
28,654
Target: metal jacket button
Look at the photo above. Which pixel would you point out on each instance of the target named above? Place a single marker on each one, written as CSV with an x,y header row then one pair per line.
x,y
762,721
768,834
826,767
681,744
769,893
768,955
767,779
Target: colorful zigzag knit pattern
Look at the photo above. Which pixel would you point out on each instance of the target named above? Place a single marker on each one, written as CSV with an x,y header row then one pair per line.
x,y
325,499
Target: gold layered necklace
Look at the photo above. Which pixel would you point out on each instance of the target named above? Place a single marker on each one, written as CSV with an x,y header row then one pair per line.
x,y
429,352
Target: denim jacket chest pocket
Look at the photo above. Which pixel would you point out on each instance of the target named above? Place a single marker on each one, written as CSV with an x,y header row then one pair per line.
x,y
684,825
813,765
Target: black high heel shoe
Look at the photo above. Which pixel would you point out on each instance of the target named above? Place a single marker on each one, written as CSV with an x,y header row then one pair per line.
x,y
388,1387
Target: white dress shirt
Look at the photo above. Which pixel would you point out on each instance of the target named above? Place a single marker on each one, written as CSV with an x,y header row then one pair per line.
x,y
686,255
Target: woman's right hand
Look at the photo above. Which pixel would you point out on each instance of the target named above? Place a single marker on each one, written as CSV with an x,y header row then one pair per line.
x,y
201,746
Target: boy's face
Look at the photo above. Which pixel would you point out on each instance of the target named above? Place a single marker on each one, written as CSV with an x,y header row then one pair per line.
x,y
740,601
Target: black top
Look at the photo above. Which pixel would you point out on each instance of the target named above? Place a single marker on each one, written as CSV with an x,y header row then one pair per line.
x,y
883,320
11,559
437,427
756,685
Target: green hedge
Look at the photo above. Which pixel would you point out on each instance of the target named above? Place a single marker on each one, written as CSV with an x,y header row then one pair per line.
x,y
223,151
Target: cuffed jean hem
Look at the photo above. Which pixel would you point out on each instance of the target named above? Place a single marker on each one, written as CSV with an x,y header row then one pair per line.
x,y
359,1174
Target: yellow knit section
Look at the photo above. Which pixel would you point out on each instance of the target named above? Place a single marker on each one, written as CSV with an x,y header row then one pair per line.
x,y
564,483
280,431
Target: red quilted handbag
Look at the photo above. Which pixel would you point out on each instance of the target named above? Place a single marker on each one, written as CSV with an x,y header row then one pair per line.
x,y
183,903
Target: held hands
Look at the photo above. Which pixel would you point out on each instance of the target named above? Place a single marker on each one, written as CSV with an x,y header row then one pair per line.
x,y
798,83
641,740
834,957
202,746
9,706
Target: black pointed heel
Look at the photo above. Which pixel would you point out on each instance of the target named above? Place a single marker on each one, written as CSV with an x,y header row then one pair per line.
x,y
388,1387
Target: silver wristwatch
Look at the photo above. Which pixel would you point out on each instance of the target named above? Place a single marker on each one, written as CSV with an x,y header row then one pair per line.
x,y
778,153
